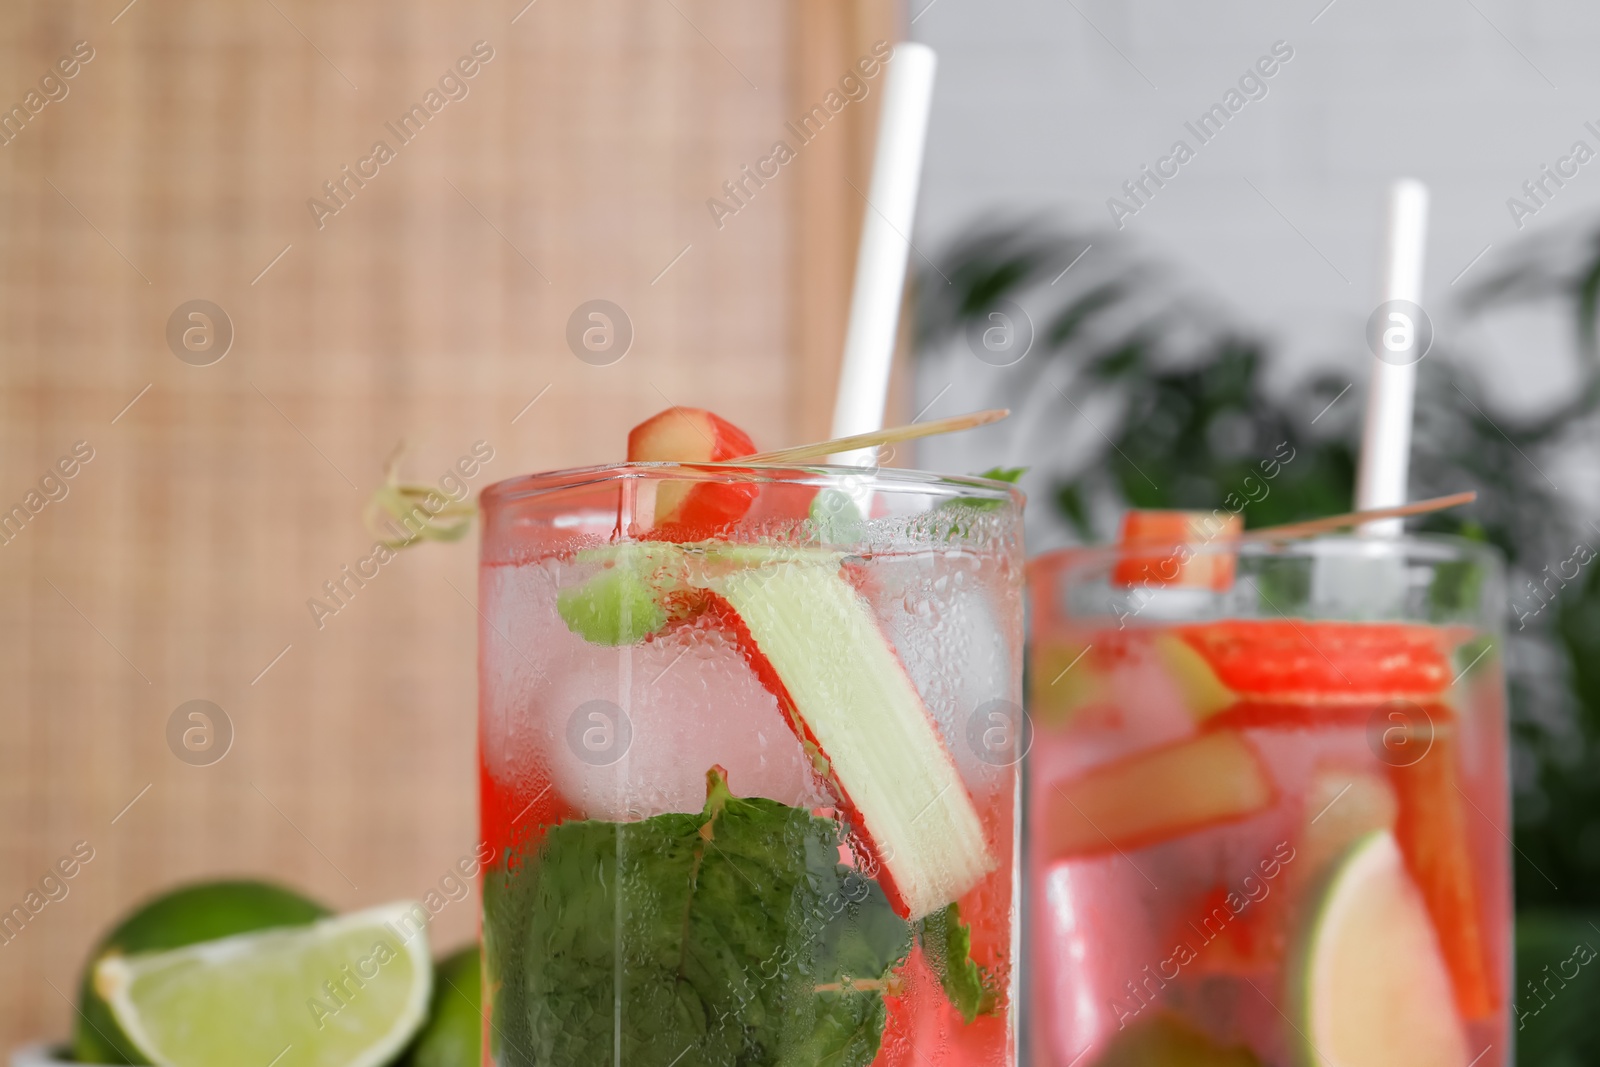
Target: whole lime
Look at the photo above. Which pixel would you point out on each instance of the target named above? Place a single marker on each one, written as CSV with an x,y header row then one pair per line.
x,y
204,911
453,1034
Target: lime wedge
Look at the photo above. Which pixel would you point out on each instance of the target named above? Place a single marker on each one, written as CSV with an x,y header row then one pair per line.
x,y
343,992
203,911
1374,988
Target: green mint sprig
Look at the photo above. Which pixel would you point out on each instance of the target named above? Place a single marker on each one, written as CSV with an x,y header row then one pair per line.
x,y
731,935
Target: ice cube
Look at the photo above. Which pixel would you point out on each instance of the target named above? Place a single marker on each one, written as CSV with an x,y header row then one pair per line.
x,y
627,732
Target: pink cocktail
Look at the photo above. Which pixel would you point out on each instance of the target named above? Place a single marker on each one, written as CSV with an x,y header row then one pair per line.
x,y
750,784
1268,806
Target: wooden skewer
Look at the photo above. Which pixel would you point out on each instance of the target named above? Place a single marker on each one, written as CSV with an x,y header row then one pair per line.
x,y
1289,531
893,435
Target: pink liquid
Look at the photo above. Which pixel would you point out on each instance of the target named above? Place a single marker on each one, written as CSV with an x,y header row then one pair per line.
x,y
1194,925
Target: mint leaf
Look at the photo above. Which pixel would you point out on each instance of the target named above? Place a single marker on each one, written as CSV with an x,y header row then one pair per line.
x,y
998,474
627,599
1005,474
947,942
835,518
731,935
615,607
848,1030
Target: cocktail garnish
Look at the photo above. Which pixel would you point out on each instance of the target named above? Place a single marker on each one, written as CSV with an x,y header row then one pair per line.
x,y
696,509
1167,549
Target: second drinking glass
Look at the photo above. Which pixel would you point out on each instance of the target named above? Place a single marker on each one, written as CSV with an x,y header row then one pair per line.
x,y
1268,806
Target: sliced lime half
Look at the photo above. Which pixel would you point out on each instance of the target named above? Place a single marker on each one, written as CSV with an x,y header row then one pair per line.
x,y
1375,992
343,992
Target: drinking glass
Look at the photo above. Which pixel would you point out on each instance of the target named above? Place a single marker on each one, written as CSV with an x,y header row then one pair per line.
x,y
1268,805
749,742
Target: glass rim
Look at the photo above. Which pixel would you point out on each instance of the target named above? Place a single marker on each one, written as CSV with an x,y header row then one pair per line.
x,y
891,479
1431,547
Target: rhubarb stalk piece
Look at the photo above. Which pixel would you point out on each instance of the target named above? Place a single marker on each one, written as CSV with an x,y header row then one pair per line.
x,y
815,643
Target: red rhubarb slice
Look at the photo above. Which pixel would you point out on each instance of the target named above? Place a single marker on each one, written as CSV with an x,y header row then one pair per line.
x,y
688,510
1156,795
814,642
1183,560
1267,715
1432,833
1289,661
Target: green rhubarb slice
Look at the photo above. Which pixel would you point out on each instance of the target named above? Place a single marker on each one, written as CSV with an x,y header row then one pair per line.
x,y
817,644
1065,678
343,992
1156,795
1373,987
1203,694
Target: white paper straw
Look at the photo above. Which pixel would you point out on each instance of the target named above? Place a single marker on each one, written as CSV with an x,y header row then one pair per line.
x,y
885,245
1386,438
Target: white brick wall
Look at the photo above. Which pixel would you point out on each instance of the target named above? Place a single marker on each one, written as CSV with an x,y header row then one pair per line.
x,y
1036,112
